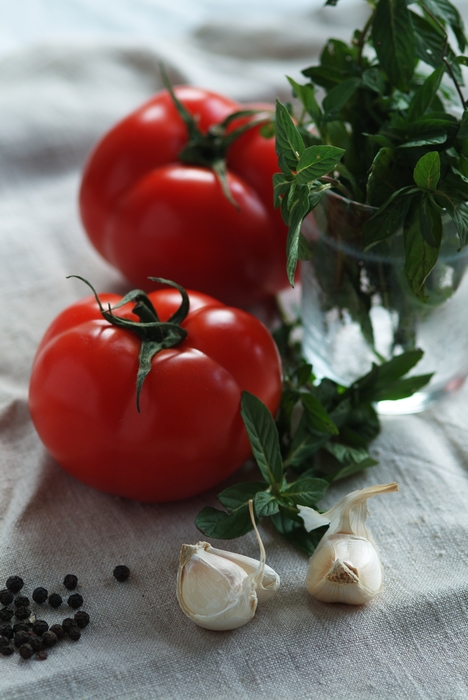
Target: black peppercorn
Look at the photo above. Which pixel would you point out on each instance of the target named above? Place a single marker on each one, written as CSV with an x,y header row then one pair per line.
x,y
40,595
67,623
14,584
7,631
39,627
21,601
81,619
70,581
18,626
26,651
6,597
4,641
74,633
6,614
20,638
35,642
75,600
57,630
55,600
121,572
7,650
22,613
41,655
49,639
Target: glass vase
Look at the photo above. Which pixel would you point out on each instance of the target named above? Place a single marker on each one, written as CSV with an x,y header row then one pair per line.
x,y
357,307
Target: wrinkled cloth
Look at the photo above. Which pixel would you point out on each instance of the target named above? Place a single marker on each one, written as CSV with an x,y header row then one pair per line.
x,y
411,642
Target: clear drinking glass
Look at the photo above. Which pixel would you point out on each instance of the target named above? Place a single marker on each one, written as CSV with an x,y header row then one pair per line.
x,y
357,307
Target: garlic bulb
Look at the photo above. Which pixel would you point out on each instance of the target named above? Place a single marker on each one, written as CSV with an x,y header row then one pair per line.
x,y
220,590
346,566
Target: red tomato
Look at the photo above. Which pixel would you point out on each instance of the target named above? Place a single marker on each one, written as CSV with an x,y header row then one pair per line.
x,y
189,434
147,213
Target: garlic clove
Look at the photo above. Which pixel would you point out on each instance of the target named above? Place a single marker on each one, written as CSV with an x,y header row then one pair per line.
x,y
220,590
270,581
346,569
214,592
345,566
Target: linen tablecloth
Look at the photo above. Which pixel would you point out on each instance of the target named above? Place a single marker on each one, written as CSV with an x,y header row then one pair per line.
x,y
56,99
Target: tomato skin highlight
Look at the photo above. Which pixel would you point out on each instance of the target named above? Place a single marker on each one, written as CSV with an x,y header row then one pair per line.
x,y
189,435
147,213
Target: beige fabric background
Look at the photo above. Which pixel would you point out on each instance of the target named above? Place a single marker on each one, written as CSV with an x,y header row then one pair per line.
x,y
410,643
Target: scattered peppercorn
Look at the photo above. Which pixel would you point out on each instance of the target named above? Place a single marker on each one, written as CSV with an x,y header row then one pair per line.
x,y
74,633
35,642
39,627
20,638
82,619
4,641
21,601
49,639
42,655
70,581
14,584
6,631
18,626
55,600
26,651
40,595
7,650
67,623
57,630
121,572
22,613
75,600
6,596
6,614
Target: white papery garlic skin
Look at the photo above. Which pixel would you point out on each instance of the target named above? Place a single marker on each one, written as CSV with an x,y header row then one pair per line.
x,y
346,566
220,590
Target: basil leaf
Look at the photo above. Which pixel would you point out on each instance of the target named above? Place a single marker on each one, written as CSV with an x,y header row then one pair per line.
x,y
238,496
458,212
389,218
338,97
430,222
317,161
420,258
297,212
265,504
463,130
306,94
427,171
304,251
263,436
354,468
403,388
317,417
224,526
289,142
424,96
393,40
346,454
281,186
306,491
444,10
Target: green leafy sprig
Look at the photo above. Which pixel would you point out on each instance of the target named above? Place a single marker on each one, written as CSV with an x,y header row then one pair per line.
x,y
388,106
321,435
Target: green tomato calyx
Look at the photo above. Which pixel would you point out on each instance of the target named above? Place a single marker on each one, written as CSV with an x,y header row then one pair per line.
x,y
155,335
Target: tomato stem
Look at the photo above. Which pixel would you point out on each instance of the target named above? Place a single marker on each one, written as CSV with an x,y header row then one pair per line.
x,y
155,335
210,150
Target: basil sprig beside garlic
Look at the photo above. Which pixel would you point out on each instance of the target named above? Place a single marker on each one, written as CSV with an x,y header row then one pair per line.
x,y
321,435
220,590
346,566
